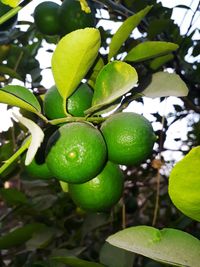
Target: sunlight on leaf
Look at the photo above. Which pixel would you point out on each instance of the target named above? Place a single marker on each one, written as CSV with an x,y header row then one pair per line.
x,y
184,184
167,245
114,80
125,30
37,137
150,49
73,57
166,84
12,3
19,96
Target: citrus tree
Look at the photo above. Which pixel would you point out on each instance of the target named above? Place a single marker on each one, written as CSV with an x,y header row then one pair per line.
x,y
85,180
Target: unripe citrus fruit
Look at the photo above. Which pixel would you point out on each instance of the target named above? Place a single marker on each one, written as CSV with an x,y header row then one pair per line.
x,y
73,18
184,184
37,169
76,104
100,193
129,138
7,25
76,152
46,18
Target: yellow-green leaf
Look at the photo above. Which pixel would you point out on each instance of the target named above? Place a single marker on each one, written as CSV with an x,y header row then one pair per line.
x,y
167,245
19,96
12,3
114,80
165,84
125,30
73,57
150,49
184,184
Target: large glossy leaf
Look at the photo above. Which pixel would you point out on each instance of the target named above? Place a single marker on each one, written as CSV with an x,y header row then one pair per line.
x,y
76,262
167,245
165,84
37,137
114,80
73,57
184,184
150,49
125,30
19,236
19,96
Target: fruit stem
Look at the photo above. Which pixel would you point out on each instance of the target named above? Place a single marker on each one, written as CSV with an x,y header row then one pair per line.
x,y
75,119
13,11
15,156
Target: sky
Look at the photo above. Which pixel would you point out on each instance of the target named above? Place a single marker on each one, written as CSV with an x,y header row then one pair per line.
x,y
181,16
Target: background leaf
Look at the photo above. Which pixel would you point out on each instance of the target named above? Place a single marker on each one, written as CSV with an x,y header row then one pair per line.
x,y
116,257
114,80
19,96
125,30
150,49
76,262
13,196
168,245
19,236
9,71
73,57
165,84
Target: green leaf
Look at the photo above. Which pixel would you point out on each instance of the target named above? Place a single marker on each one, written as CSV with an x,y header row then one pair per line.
x,y
19,96
40,239
11,72
13,196
184,184
160,61
165,84
19,236
76,262
73,57
37,137
98,66
114,80
125,30
150,49
167,245
12,3
116,257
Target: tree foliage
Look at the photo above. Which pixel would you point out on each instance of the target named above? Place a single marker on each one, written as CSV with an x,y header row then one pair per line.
x,y
147,57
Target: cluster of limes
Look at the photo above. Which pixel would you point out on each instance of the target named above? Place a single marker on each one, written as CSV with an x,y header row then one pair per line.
x,y
54,19
87,156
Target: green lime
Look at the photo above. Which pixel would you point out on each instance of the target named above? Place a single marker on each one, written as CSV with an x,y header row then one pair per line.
x,y
73,18
129,138
80,100
100,193
46,17
6,26
53,104
76,152
184,184
76,104
37,169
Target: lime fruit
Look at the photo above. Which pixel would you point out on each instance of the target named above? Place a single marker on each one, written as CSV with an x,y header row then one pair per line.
x,y
53,104
76,152
73,18
46,17
184,184
100,193
7,25
129,138
76,104
37,169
